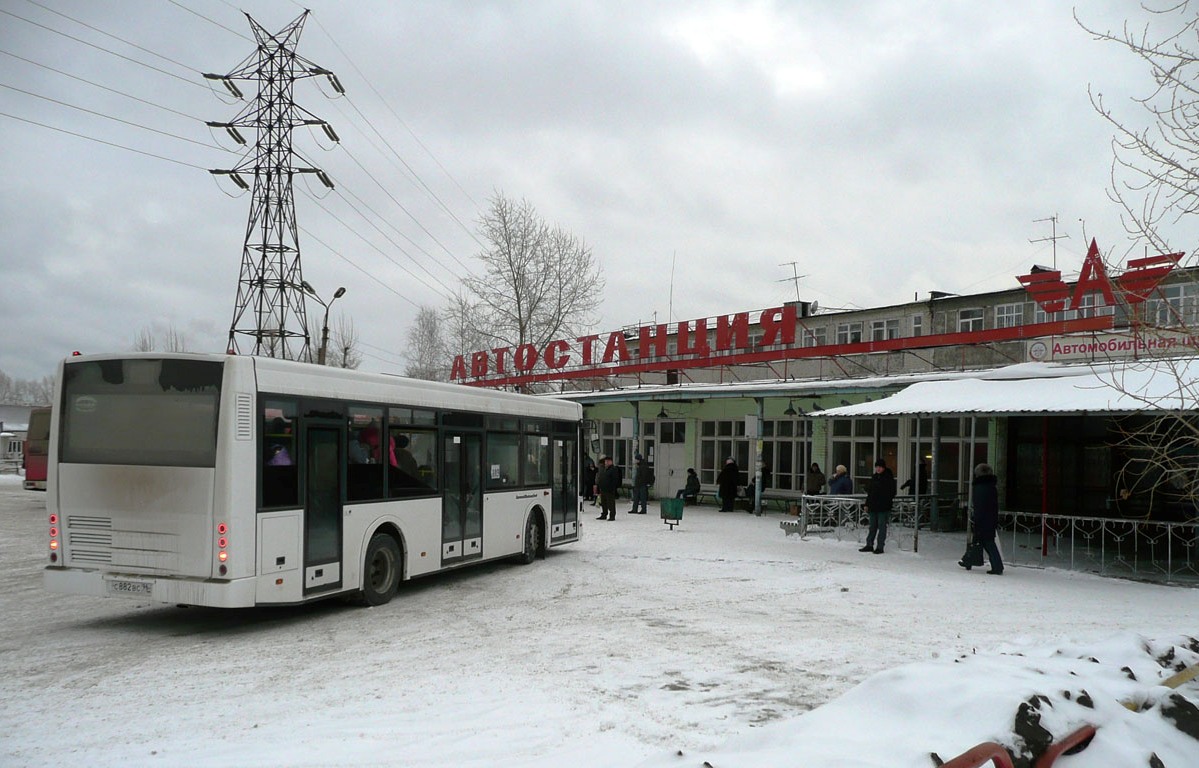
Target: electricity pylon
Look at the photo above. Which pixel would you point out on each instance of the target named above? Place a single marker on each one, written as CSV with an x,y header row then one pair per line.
x,y
270,287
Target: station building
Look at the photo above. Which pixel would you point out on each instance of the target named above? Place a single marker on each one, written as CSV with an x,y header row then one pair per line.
x,y
1031,379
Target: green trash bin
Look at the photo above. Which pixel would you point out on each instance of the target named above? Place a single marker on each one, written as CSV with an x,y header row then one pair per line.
x,y
672,511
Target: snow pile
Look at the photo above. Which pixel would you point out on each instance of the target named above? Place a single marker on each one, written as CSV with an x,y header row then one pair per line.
x,y
1022,698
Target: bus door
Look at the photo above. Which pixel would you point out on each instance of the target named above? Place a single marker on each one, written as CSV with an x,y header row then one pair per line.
x,y
462,504
564,514
323,441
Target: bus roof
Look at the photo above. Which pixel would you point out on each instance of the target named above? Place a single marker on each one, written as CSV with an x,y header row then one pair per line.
x,y
289,377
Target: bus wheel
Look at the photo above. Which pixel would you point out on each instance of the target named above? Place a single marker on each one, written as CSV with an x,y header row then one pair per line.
x,y
381,571
533,534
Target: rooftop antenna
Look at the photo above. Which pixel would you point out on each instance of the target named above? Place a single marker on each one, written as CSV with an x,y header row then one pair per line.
x,y
670,300
1053,237
795,276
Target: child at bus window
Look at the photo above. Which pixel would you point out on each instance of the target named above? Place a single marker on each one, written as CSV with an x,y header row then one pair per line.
x,y
279,456
360,449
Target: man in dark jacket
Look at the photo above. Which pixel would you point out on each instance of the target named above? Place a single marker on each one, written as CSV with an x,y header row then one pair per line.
x,y
607,480
727,482
642,477
880,492
984,499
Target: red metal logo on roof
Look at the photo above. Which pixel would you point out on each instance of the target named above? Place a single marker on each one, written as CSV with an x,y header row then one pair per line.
x,y
1135,285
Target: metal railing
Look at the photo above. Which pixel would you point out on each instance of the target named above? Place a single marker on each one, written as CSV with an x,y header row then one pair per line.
x,y
1139,549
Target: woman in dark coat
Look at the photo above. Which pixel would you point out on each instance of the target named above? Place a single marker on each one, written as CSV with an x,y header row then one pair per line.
x,y
727,482
984,499
589,471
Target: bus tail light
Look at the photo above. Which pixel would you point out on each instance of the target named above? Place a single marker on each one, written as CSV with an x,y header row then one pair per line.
x,y
222,544
53,538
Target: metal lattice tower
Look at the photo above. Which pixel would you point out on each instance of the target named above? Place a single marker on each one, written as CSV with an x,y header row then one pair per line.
x,y
270,306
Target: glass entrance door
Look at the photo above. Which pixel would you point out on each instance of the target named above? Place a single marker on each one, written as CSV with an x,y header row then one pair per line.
x,y
322,506
462,507
564,513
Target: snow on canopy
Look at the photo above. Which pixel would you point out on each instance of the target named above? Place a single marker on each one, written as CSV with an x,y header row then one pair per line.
x,y
1161,385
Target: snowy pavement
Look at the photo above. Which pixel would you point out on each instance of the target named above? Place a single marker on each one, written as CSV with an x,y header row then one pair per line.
x,y
635,645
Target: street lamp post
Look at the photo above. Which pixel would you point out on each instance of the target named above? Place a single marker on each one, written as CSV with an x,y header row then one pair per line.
x,y
325,324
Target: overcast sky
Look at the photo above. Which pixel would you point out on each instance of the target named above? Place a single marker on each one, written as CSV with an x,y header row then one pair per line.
x,y
886,148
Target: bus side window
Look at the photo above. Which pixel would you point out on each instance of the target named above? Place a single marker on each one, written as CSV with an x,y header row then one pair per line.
x,y
280,486
412,462
364,470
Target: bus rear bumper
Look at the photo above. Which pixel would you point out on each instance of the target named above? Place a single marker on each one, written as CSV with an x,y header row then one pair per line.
x,y
235,593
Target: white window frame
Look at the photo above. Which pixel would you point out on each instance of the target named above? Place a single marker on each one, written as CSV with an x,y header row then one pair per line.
x,y
1009,315
975,322
849,333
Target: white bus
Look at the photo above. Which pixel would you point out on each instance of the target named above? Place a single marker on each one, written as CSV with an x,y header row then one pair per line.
x,y
232,481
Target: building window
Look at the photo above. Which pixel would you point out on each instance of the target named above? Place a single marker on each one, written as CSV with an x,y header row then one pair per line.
x,y
815,337
849,333
786,446
718,441
1090,307
1039,315
1174,305
917,325
672,431
1009,315
970,320
619,448
881,330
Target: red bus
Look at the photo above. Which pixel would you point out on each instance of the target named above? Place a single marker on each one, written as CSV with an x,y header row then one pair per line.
x,y
37,449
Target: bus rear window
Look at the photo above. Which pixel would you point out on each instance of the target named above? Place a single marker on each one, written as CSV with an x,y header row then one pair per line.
x,y
143,411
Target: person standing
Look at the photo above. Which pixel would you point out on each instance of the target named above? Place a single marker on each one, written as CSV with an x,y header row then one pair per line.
x,y
880,492
841,484
984,499
589,473
642,477
607,480
726,483
814,483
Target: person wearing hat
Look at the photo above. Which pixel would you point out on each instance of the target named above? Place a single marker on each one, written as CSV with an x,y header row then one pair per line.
x,y
607,480
984,501
880,492
727,482
642,477
841,483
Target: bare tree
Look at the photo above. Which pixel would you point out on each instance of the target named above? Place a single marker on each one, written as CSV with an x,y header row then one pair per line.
x,y
26,391
427,354
1155,182
1155,166
458,327
148,339
539,283
344,348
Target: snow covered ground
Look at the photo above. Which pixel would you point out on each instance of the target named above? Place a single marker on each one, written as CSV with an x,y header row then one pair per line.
x,y
722,641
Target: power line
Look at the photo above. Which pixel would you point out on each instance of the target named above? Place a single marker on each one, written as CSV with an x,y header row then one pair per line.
x,y
400,120
211,21
102,48
109,34
102,141
371,245
110,117
98,85
408,213
342,256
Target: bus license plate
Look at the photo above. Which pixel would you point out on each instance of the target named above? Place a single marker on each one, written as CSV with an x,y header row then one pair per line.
x,y
132,588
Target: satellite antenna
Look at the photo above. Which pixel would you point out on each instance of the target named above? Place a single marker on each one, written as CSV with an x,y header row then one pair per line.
x,y
813,308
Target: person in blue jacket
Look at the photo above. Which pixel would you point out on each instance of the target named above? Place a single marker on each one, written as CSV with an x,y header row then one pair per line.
x,y
841,483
